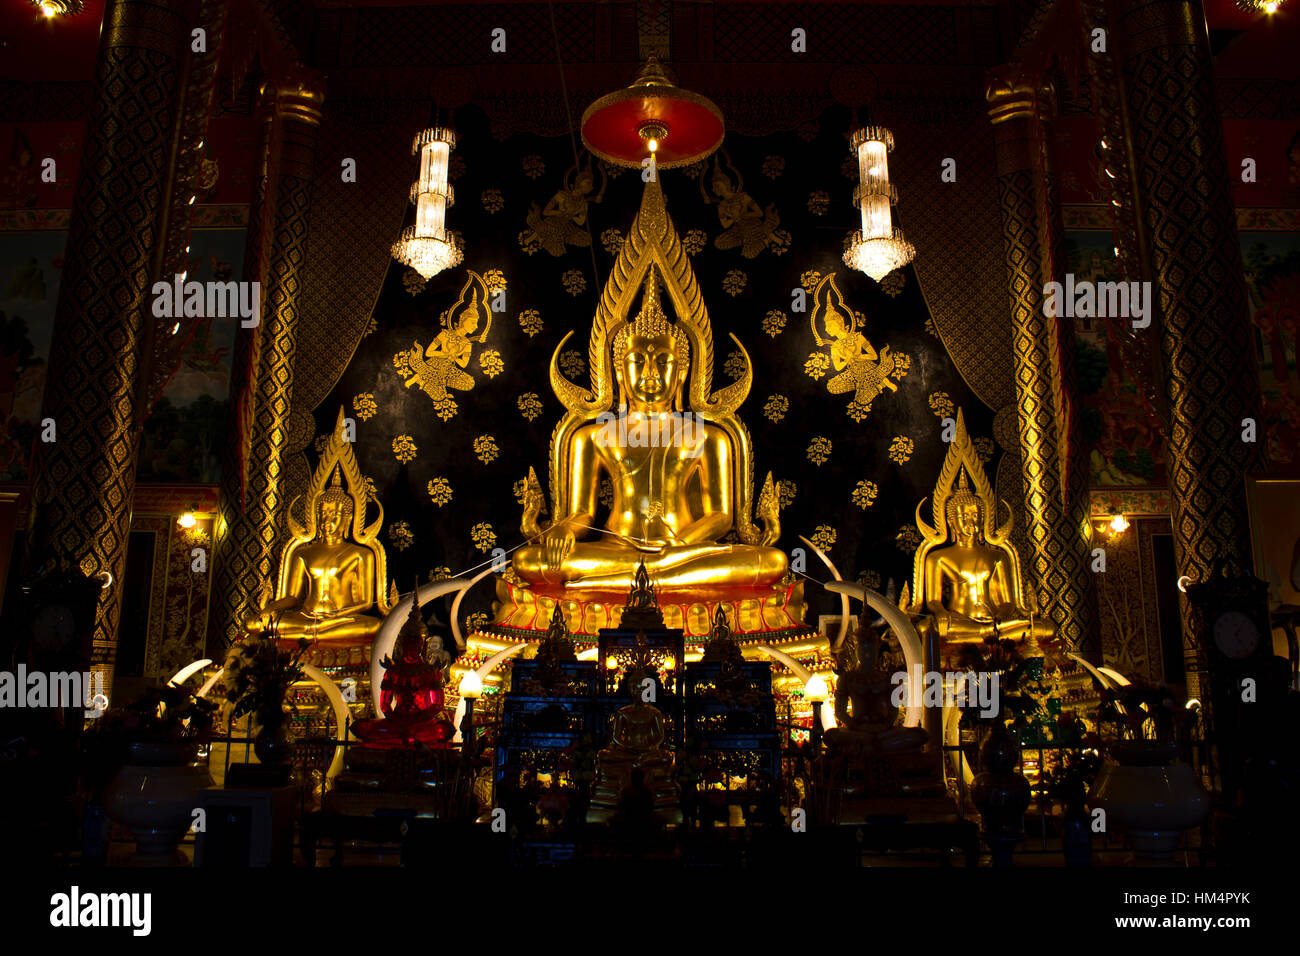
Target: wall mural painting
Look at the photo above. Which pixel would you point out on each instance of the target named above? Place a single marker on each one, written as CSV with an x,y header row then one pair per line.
x,y
453,402
31,264
1125,444
1126,447
182,436
180,441
1273,282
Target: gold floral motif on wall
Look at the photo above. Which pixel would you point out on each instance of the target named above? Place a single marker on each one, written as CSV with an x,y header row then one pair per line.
x,y
404,449
823,537
908,538
817,365
365,406
372,493
774,322
870,579
530,405
440,574
773,166
530,320
439,491
612,239
491,363
694,241
441,366
483,536
901,448
775,408
401,535
493,201
575,283
941,404
413,282
858,367
734,366
809,279
785,492
572,363
485,449
534,166
818,202
745,225
893,284
734,282
819,450
864,494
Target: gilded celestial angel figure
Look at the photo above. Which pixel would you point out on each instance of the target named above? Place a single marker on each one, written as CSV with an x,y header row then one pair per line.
x,y
441,365
564,220
858,367
744,223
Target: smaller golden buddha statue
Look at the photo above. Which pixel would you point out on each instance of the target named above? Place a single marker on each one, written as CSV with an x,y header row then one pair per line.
x,y
966,576
329,584
636,759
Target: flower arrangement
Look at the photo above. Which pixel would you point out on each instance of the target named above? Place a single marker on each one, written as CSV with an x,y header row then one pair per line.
x,y
261,673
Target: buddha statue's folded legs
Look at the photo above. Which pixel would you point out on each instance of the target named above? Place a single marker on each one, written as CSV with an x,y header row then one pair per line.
x,y
612,566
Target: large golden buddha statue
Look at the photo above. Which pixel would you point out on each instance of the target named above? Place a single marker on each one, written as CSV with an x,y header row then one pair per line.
x,y
677,457
327,583
966,575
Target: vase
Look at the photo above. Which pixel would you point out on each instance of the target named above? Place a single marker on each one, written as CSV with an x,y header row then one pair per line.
x,y
271,743
154,796
1150,799
1001,794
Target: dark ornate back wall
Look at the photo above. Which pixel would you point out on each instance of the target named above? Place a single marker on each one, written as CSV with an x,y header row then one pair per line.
x,y
852,483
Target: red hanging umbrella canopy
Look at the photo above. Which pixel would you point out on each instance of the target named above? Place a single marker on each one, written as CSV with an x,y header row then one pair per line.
x,y
620,126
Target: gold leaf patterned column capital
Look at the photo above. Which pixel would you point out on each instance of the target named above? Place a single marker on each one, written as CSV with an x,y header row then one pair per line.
x,y
1010,95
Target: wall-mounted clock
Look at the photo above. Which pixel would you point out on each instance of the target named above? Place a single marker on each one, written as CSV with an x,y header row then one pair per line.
x,y
1236,634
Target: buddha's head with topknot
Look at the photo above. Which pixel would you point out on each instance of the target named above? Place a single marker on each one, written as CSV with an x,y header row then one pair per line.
x,y
651,356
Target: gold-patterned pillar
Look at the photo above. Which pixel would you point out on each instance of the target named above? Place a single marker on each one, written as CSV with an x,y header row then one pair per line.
x,y
84,480
1052,457
253,493
1206,342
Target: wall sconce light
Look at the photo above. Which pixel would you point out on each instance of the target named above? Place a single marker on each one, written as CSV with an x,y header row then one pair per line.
x,y
59,8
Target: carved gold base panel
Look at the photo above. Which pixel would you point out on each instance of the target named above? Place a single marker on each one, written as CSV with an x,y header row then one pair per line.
x,y
772,612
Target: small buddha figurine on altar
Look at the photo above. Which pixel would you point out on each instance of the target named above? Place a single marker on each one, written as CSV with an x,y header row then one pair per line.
x,y
553,653
865,714
636,744
676,456
966,575
410,695
327,583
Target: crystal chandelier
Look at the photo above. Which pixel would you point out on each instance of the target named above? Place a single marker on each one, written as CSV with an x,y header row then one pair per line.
x,y
878,248
426,247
